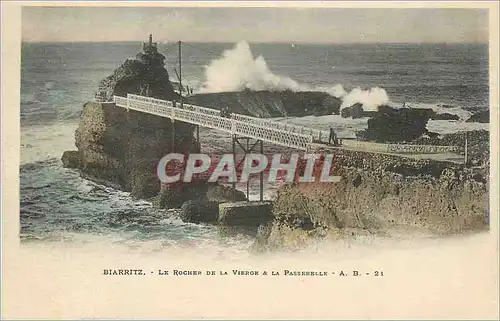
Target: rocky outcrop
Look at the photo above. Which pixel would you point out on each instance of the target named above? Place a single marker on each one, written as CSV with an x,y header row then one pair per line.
x,y
445,116
122,148
357,111
71,159
200,201
271,103
482,116
379,193
135,77
146,76
245,214
396,125
199,211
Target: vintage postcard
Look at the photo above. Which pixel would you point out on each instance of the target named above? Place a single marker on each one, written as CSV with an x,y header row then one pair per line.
x,y
258,160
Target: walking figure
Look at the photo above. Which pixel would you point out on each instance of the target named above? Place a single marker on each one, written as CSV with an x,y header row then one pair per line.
x,y
332,137
225,112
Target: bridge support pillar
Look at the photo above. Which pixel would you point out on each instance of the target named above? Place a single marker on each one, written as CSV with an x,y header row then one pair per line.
x,y
198,134
261,173
234,162
247,149
173,135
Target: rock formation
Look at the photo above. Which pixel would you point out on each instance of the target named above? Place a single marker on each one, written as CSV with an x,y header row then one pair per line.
x,y
357,111
198,201
396,125
122,148
379,193
445,116
482,116
271,103
144,76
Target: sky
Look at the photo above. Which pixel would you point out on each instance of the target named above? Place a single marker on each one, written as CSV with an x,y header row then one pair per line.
x,y
301,25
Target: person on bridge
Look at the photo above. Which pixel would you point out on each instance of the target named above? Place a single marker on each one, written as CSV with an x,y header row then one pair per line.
x,y
333,137
225,112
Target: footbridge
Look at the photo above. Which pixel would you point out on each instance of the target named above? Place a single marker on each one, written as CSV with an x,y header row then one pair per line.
x,y
279,133
245,128
262,129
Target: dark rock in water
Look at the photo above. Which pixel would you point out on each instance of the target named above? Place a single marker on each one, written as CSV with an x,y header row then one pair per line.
x,y
71,159
250,214
431,135
345,112
199,210
446,105
220,193
396,125
357,111
174,195
271,103
169,197
480,117
200,201
445,116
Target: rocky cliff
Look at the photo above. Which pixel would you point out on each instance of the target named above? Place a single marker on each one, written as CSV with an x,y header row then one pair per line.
x,y
122,148
482,116
271,103
380,193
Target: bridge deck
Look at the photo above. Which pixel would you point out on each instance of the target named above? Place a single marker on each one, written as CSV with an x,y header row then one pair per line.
x,y
280,133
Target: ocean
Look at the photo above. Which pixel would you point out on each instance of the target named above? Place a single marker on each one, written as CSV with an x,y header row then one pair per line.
x,y
57,205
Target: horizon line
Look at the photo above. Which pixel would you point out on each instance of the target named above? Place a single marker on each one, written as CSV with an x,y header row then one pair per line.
x,y
259,42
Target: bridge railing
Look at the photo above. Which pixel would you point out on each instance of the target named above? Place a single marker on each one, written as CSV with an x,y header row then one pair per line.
x,y
208,111
166,109
205,117
398,148
273,135
316,134
281,133
199,109
120,101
